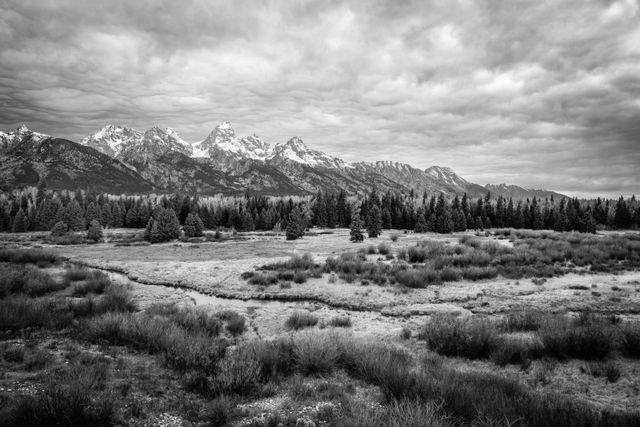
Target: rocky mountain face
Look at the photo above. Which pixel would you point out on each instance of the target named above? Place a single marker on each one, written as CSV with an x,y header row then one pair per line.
x,y
521,193
160,159
66,165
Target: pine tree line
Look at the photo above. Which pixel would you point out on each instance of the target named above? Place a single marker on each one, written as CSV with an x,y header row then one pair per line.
x,y
36,209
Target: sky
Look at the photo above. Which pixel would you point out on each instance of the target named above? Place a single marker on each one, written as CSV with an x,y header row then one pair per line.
x,y
541,94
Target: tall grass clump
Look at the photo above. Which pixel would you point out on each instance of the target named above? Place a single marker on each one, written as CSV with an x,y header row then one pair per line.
x,y
417,277
26,279
315,353
181,349
295,262
29,256
301,319
565,338
94,283
192,319
631,339
75,398
473,338
20,312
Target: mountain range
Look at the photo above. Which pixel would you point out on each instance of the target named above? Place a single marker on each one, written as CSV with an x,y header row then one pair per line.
x,y
119,159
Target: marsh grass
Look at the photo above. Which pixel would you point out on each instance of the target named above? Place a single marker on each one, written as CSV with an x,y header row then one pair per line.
x,y
301,319
26,279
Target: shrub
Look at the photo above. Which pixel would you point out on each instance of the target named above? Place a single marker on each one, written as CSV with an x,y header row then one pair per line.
x,y
116,298
609,369
20,312
515,350
473,338
479,273
73,398
218,411
181,349
238,373
77,274
314,353
275,357
631,336
299,277
394,237
295,262
340,322
301,319
13,353
95,283
384,249
525,320
193,319
262,279
235,324
450,274
417,278
15,279
563,338
28,256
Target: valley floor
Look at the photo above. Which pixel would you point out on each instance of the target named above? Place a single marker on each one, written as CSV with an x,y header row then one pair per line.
x,y
208,275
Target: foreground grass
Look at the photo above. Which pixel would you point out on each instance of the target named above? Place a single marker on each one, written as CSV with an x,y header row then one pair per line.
x,y
223,370
587,337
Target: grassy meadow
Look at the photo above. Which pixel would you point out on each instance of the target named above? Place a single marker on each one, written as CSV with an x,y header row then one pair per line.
x,y
503,328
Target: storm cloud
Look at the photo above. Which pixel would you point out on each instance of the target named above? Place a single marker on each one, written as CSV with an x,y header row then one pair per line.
x,y
538,94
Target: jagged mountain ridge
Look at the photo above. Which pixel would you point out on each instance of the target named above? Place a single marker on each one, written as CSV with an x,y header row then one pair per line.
x,y
65,165
225,163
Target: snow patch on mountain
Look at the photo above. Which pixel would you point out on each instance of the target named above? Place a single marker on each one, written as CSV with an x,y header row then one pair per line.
x,y
295,150
112,139
446,175
223,141
9,139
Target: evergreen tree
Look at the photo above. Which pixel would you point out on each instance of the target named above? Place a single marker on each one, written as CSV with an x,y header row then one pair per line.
x,y
246,222
59,229
20,222
374,222
421,224
165,227
356,235
622,217
193,226
95,230
116,216
73,216
296,224
93,213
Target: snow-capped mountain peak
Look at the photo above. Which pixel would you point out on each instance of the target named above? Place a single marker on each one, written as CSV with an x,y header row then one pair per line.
x,y
446,175
162,140
295,150
222,141
112,139
9,139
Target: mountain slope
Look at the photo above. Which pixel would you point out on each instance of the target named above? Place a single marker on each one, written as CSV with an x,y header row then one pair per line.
x,y
160,159
66,165
516,192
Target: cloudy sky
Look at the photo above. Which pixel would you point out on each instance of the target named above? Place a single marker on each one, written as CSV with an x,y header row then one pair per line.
x,y
543,94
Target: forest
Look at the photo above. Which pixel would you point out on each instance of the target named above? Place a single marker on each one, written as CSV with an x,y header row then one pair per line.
x,y
39,209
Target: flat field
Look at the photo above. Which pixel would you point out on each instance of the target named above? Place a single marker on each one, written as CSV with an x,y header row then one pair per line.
x,y
511,294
